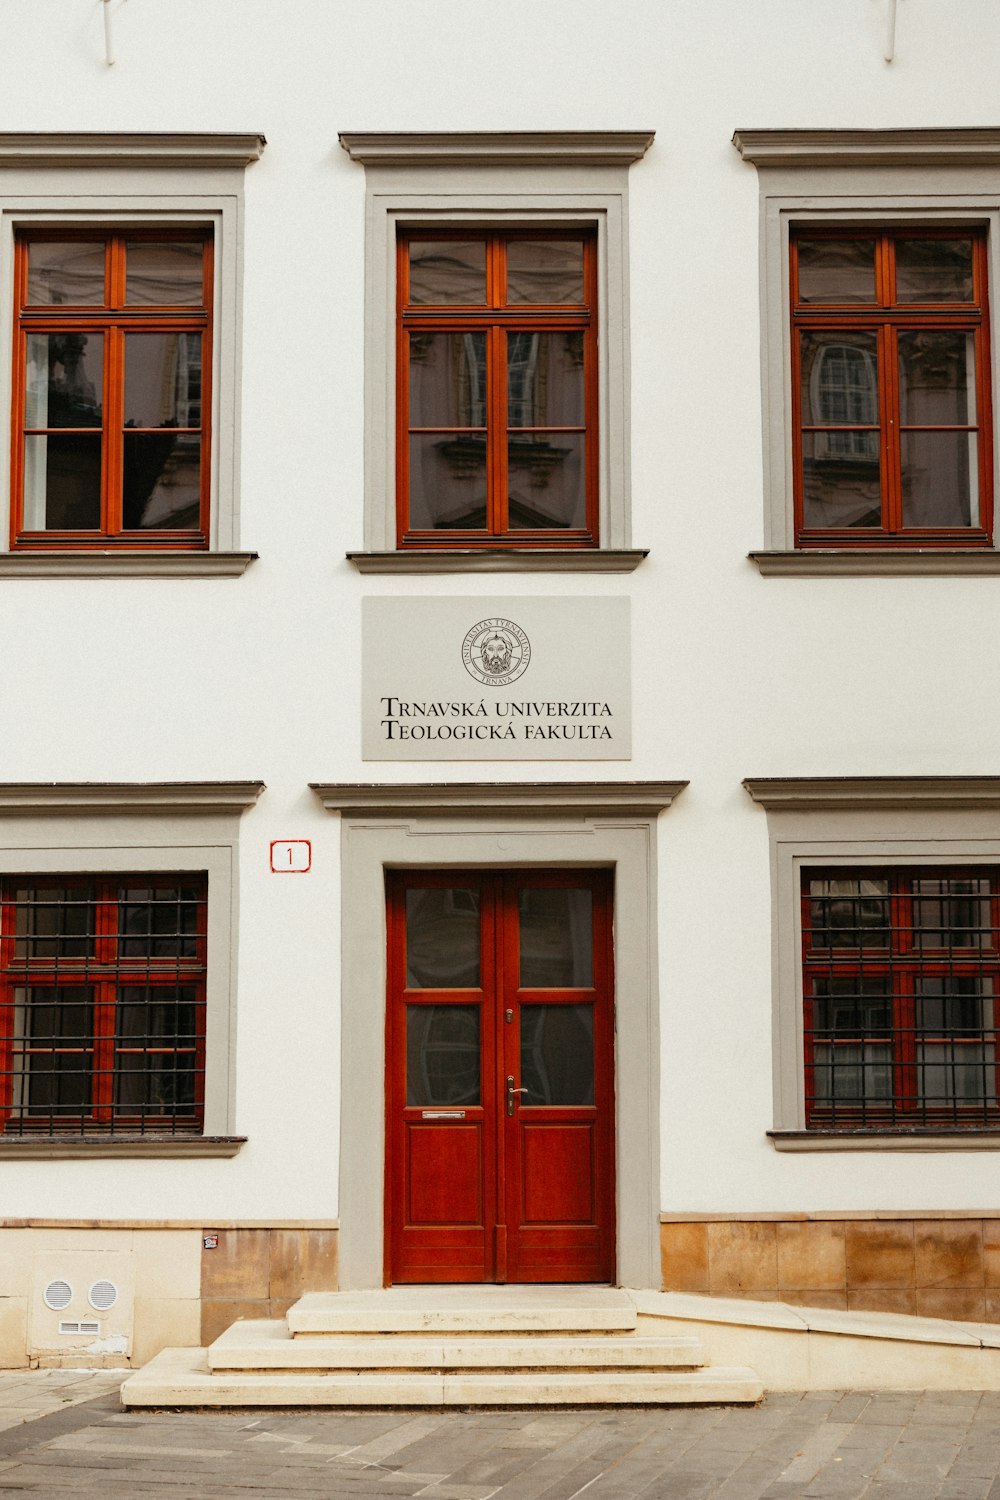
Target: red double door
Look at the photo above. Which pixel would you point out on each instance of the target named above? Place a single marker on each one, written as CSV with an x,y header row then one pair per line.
x,y
500,1088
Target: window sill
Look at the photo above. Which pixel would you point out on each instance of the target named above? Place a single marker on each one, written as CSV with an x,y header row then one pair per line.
x,y
124,564
501,560
878,562
885,1140
86,1148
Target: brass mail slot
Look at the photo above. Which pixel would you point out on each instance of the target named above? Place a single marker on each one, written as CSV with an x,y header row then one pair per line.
x,y
442,1114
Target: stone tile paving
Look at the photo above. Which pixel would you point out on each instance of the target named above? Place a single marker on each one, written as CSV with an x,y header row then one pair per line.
x,y
76,1442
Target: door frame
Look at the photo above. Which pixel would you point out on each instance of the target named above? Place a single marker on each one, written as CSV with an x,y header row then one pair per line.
x,y
462,825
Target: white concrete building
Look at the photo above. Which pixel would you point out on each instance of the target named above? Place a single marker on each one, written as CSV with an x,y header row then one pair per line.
x,y
547,488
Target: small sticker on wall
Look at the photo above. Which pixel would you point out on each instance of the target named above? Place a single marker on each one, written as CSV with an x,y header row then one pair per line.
x,y
291,856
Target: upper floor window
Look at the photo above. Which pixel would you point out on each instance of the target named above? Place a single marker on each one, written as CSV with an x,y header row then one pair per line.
x,y
901,979
890,387
497,388
112,368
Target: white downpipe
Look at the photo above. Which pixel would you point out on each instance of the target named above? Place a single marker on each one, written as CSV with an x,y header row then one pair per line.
x,y
109,51
890,38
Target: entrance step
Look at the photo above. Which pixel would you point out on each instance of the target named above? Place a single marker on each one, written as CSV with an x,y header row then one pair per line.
x,y
268,1346
181,1377
464,1309
446,1346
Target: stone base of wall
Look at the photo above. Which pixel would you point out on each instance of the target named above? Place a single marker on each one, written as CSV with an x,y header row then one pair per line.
x,y
173,1291
934,1267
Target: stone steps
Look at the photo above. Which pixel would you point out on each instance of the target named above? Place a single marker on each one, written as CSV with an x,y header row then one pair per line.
x,y
444,1346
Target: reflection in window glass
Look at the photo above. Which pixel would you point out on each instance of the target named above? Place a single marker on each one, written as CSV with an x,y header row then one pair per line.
x,y
442,1055
557,1054
65,273
556,938
448,273
442,938
934,270
544,272
164,275
836,271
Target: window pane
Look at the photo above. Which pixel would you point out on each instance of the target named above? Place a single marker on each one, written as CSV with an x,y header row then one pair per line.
x,y
557,1054
447,379
937,378
161,481
544,272
546,480
556,937
841,480
447,273
53,921
940,478
442,938
849,913
157,1015
163,380
442,1055
51,1058
853,1075
167,275
952,912
839,379
158,922
852,1007
545,380
62,482
934,270
64,385
66,273
836,271
164,1018
448,482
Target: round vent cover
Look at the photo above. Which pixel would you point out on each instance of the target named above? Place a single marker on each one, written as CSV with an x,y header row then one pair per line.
x,y
103,1295
57,1295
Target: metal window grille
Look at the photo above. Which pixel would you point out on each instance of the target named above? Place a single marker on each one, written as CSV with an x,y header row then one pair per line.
x,y
102,1004
901,974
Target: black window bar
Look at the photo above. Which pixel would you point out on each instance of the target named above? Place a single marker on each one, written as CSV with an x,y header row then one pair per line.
x,y
102,1008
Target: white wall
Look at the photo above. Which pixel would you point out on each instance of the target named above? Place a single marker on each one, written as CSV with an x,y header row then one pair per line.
x,y
734,674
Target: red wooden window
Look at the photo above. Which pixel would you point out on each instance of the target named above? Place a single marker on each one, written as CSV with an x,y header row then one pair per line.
x,y
102,1004
112,363
891,387
901,983
497,388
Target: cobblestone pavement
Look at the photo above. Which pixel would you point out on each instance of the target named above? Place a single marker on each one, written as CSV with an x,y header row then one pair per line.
x,y
893,1446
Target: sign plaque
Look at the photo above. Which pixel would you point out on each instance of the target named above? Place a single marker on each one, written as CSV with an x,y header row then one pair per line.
x,y
496,679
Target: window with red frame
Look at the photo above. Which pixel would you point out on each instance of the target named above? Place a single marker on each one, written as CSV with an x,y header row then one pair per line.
x,y
497,389
112,361
901,977
891,387
102,1004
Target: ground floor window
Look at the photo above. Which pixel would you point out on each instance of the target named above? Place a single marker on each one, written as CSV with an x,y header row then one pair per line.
x,y
102,1003
901,972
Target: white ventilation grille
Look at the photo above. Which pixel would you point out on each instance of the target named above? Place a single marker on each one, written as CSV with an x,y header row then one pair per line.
x,y
102,1296
77,1325
57,1295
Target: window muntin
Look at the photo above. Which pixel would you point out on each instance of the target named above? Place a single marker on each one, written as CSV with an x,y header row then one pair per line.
x,y
497,389
112,389
102,1004
901,982
890,387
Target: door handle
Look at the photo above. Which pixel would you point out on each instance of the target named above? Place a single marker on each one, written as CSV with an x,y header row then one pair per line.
x,y
511,1091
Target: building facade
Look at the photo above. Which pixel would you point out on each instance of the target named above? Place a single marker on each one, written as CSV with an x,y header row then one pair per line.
x,y
501,774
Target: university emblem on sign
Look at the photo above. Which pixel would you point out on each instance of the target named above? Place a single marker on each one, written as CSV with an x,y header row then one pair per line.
x,y
496,651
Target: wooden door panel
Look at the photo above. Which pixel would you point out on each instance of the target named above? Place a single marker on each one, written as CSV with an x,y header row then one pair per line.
x,y
444,1171
557,1174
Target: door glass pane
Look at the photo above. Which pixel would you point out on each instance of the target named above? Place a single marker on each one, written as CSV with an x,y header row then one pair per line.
x,y
62,482
163,380
448,481
557,1054
447,379
546,477
448,273
442,1054
934,270
164,275
66,273
556,938
65,380
940,478
836,271
545,379
442,938
544,272
937,378
161,481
